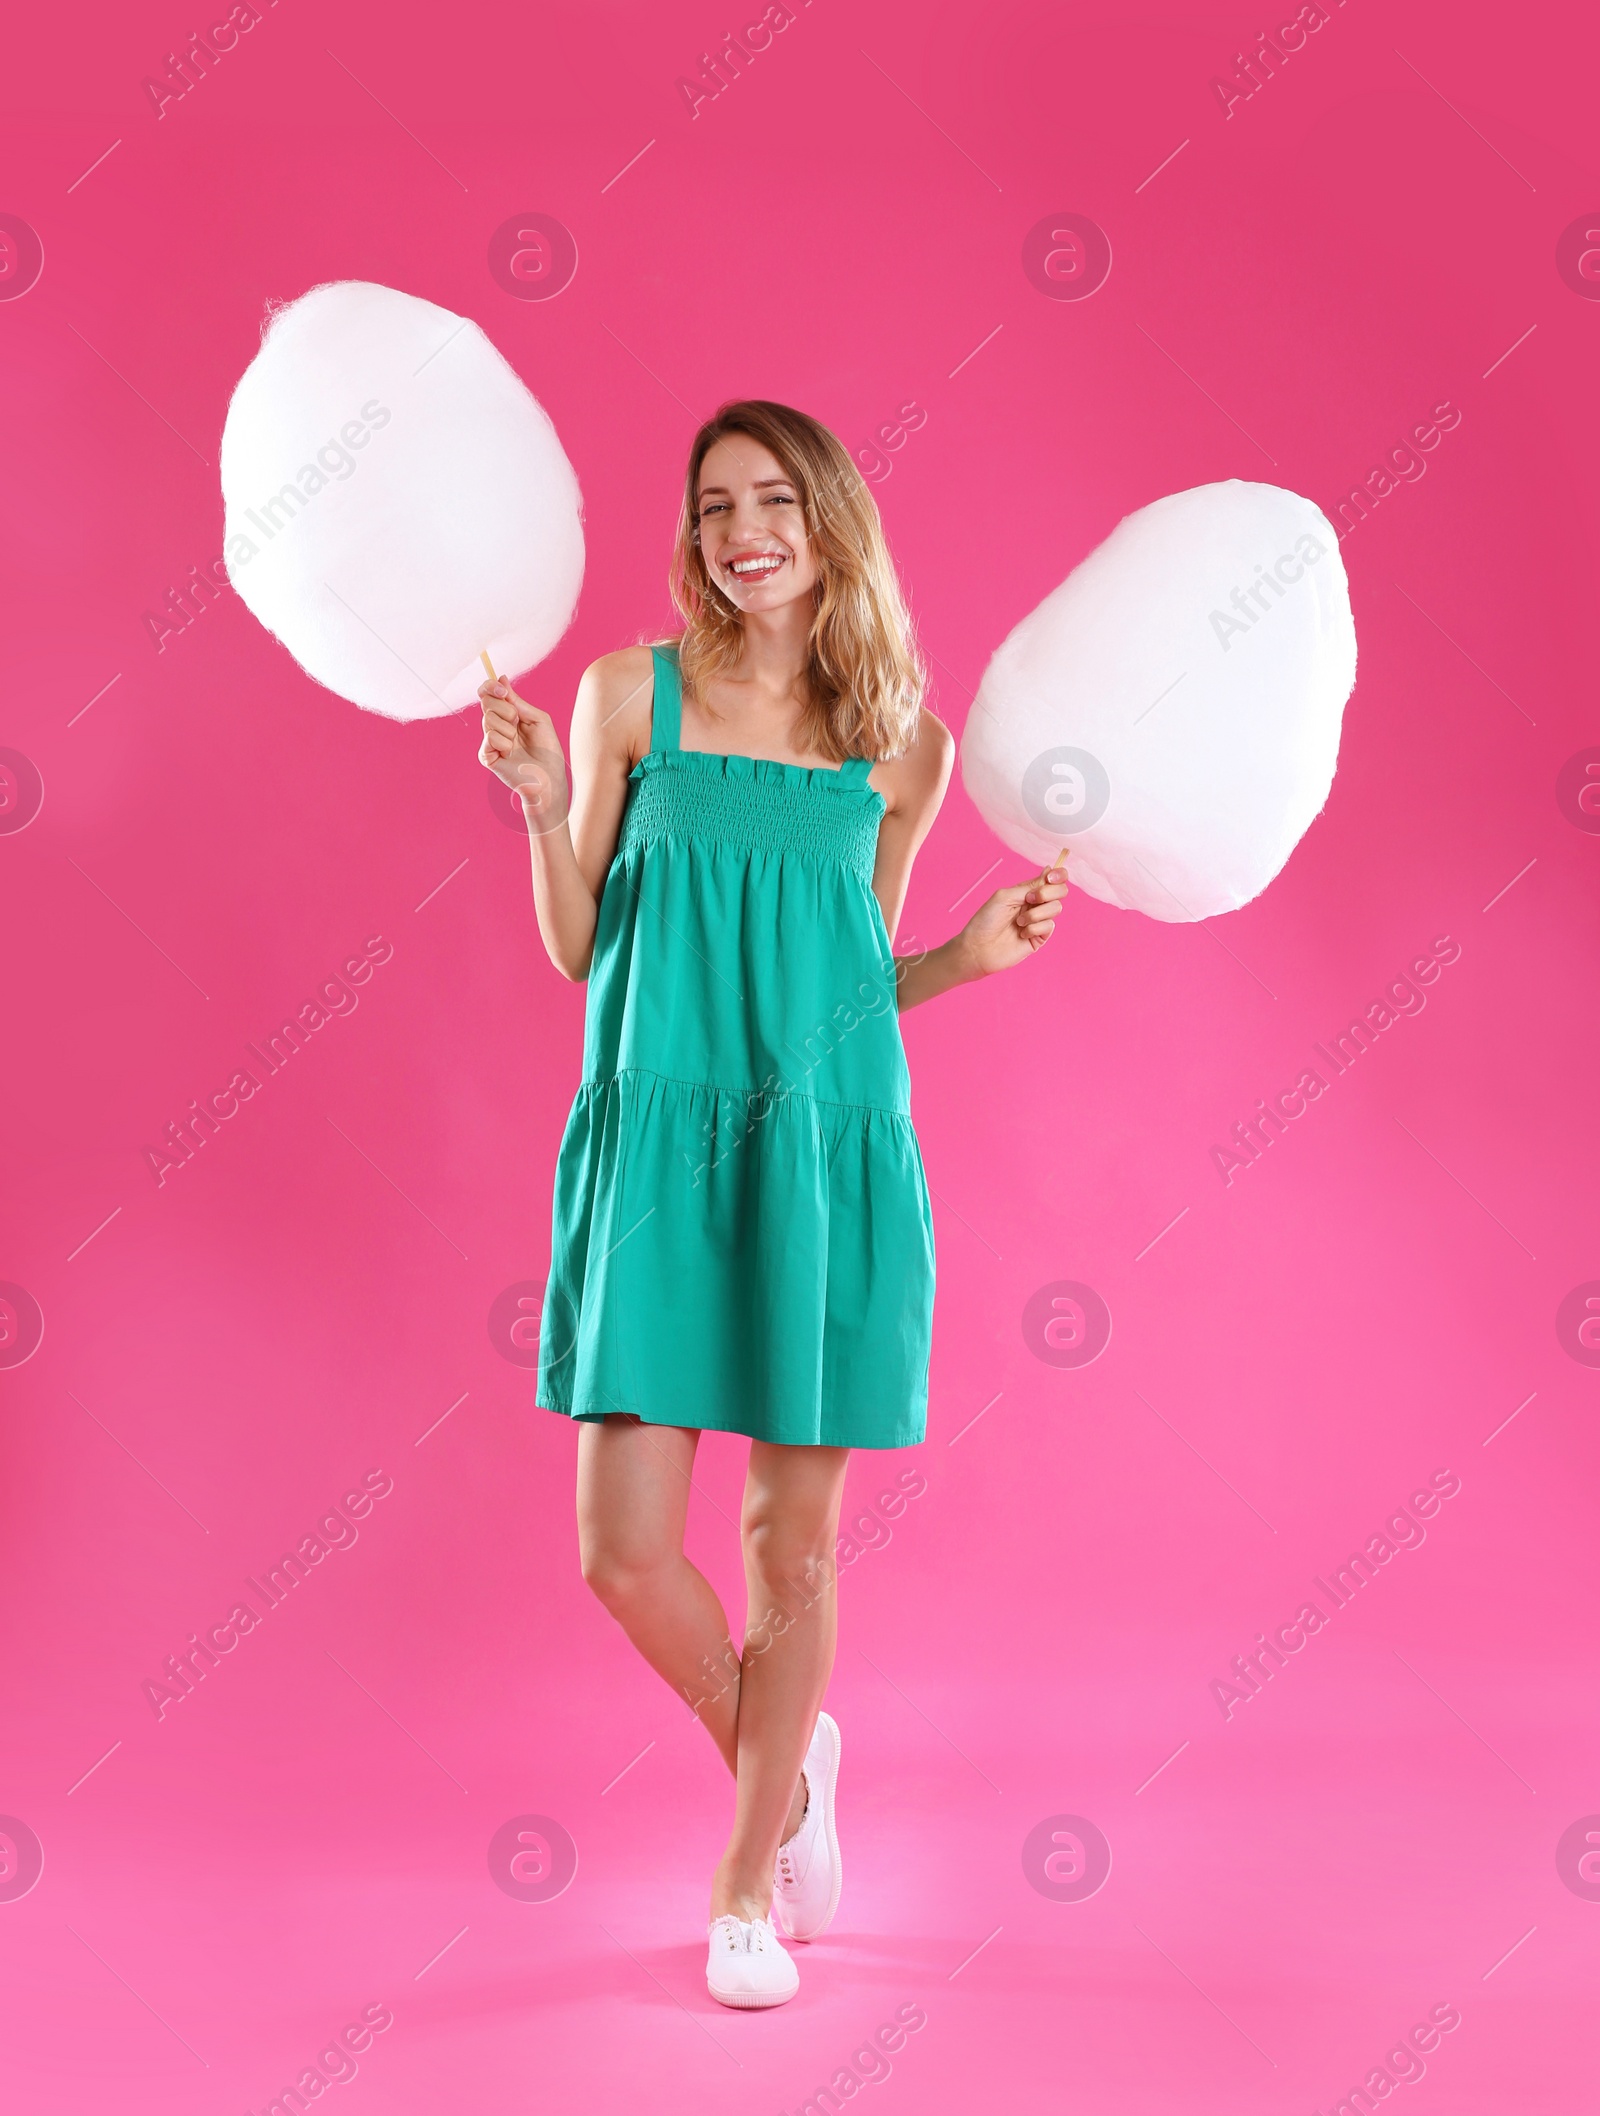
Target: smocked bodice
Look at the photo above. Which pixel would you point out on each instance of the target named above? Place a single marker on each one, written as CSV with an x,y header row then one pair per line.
x,y
754,804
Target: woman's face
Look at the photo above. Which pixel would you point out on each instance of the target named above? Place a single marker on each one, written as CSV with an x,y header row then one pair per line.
x,y
752,527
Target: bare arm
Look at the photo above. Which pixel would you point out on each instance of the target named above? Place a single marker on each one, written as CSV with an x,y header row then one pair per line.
x,y
572,837
1005,930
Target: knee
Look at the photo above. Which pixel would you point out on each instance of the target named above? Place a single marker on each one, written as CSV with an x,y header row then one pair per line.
x,y
792,1554
620,1579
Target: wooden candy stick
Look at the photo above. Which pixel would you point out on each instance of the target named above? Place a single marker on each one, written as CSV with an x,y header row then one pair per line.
x,y
483,656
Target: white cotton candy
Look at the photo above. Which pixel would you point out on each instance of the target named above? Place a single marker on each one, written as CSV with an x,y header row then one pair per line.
x,y
1171,712
397,501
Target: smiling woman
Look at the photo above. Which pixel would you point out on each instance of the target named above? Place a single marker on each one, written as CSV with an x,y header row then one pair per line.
x,y
742,1237
806,514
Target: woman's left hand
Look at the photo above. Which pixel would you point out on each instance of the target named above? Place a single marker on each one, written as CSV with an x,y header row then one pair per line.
x,y
1015,923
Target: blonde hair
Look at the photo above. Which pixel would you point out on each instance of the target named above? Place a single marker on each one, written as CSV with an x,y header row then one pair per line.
x,y
864,675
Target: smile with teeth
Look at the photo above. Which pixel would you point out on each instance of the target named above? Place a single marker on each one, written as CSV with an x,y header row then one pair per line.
x,y
759,566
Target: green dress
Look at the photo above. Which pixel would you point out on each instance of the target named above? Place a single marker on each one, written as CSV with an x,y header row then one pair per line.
x,y
742,1238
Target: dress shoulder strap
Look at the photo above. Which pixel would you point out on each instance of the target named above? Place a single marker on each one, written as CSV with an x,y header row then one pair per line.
x,y
666,712
854,770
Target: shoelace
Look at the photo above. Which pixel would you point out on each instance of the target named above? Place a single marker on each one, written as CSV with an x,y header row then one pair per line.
x,y
744,1936
787,1876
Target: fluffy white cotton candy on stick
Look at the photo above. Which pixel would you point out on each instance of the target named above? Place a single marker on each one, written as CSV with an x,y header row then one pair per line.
x,y
398,503
1172,710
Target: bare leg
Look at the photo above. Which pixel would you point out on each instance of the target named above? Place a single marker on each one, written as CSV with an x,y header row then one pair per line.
x,y
790,1529
633,1497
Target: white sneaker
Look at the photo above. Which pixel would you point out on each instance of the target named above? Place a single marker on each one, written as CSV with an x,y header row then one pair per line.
x,y
746,1965
805,1892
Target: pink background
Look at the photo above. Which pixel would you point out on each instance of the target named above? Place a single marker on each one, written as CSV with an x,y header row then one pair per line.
x,y
1374,232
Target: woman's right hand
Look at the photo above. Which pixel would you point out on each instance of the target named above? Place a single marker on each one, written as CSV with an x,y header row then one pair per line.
x,y
520,746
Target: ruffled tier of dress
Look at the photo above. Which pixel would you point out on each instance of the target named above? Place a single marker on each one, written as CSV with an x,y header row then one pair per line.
x,y
788,1230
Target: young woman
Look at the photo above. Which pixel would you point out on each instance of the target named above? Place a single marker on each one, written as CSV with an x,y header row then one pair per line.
x,y
742,1235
